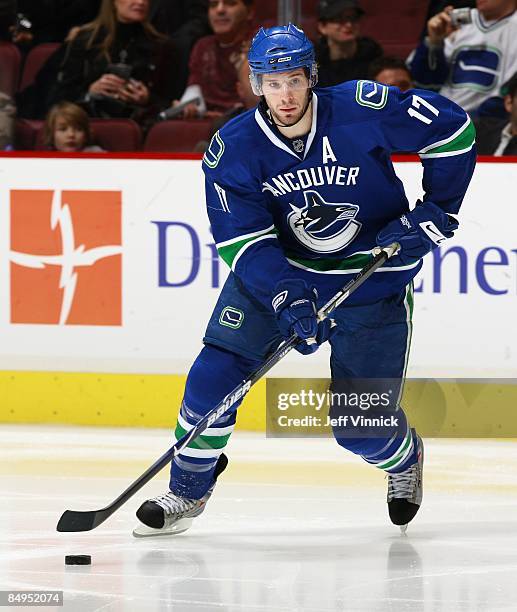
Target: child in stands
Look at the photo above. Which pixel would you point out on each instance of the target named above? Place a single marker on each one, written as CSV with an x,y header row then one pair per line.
x,y
67,129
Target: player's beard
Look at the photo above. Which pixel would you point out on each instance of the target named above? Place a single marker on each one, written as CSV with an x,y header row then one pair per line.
x,y
280,122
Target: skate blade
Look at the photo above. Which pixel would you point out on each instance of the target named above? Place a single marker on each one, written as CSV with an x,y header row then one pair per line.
x,y
403,529
142,531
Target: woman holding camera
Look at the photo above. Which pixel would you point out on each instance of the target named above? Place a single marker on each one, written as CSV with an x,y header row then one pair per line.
x,y
118,65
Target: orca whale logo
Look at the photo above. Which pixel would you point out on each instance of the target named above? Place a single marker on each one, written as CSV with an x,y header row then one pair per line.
x,y
324,227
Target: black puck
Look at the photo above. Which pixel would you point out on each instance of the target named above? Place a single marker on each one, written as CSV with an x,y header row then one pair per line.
x,y
78,560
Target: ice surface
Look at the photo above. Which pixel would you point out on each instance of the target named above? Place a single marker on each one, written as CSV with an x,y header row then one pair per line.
x,y
295,525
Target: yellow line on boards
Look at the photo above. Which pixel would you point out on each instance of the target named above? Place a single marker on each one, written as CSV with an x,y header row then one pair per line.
x,y
437,408
134,400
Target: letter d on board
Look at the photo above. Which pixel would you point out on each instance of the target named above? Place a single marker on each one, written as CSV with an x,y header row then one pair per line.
x,y
163,245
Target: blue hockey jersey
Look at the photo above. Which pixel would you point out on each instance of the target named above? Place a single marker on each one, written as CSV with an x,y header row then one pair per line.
x,y
281,209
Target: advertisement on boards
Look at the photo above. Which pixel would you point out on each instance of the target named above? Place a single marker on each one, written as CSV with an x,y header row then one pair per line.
x,y
109,265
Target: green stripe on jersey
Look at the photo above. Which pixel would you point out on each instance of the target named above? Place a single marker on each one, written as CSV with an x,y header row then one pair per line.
x,y
352,263
228,252
203,442
464,140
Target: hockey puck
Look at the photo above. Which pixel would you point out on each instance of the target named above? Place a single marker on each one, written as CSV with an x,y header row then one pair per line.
x,y
78,560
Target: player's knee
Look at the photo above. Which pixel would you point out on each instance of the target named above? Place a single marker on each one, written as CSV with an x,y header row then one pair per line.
x,y
214,373
224,362
367,433
363,414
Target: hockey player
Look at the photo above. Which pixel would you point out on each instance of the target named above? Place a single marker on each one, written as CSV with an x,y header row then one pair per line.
x,y
299,192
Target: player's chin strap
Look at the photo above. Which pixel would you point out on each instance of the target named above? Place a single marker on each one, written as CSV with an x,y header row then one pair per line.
x,y
264,109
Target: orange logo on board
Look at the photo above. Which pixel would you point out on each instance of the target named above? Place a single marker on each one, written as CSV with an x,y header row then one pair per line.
x,y
66,257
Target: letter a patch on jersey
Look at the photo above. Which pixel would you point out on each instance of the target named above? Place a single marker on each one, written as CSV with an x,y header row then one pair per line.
x,y
372,94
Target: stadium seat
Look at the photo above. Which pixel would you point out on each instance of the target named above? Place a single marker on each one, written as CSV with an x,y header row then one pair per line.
x,y
266,10
34,61
310,27
177,136
10,62
396,26
117,134
110,134
26,133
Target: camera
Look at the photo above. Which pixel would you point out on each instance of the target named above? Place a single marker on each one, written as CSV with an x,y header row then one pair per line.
x,y
21,25
123,71
461,16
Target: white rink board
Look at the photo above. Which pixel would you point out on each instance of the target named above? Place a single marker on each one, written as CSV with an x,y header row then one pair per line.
x,y
472,332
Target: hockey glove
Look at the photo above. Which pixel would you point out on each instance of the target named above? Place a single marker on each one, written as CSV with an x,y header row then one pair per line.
x,y
418,232
294,303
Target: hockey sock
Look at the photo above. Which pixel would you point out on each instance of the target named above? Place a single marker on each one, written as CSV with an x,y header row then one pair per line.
x,y
393,453
398,454
213,375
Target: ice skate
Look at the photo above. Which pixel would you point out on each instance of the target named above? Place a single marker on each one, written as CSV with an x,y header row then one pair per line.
x,y
170,514
405,491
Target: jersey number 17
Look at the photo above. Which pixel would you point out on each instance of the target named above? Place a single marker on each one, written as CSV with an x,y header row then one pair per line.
x,y
418,102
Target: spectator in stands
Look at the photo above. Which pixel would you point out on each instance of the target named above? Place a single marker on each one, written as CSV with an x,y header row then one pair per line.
x,y
7,117
342,53
184,22
248,100
118,65
73,13
67,129
437,6
468,63
7,18
391,71
499,136
44,21
216,59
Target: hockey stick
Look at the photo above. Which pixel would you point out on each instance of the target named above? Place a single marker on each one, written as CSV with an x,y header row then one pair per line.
x,y
73,520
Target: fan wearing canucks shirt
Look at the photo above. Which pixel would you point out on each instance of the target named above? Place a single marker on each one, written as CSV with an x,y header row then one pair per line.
x,y
469,64
299,192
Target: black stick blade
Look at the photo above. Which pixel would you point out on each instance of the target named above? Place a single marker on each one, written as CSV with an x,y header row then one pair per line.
x,y
71,520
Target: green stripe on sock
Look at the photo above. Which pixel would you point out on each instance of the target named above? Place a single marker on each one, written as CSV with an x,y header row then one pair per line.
x,y
391,462
203,442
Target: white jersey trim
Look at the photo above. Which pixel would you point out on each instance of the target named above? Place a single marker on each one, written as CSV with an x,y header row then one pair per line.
x,y
446,153
351,270
487,27
281,145
244,237
439,143
314,125
247,245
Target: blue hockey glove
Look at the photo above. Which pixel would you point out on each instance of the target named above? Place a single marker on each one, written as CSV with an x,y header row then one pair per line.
x,y
417,232
294,303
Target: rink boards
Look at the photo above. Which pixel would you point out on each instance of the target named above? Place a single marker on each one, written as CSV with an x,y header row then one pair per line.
x,y
108,273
